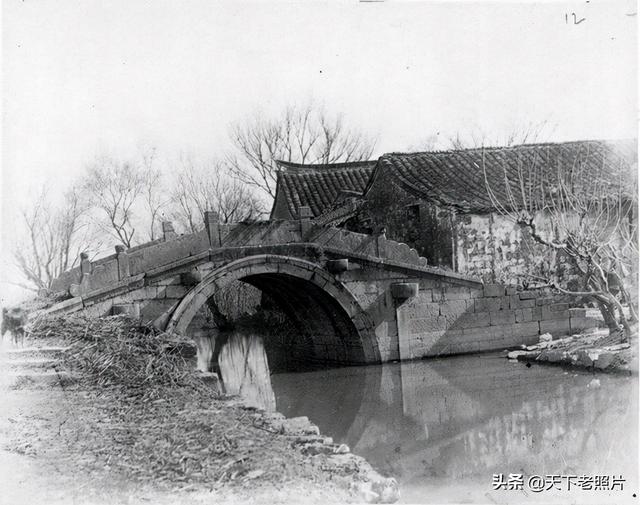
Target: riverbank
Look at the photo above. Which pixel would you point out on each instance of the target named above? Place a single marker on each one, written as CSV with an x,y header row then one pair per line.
x,y
128,421
594,350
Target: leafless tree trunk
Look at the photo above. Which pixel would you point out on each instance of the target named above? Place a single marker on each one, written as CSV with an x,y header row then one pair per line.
x,y
198,188
55,236
594,221
154,194
114,188
300,135
529,133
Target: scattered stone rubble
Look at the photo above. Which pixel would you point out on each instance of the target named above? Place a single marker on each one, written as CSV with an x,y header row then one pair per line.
x,y
594,350
305,436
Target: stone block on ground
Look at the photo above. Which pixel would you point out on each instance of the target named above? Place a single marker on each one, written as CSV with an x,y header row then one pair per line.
x,y
316,448
517,354
299,426
303,439
605,359
554,356
379,489
211,379
546,337
583,358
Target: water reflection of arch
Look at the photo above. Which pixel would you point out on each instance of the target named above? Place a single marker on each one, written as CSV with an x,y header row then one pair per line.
x,y
359,406
340,413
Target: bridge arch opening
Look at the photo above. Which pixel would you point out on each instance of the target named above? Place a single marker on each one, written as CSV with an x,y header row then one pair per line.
x,y
331,327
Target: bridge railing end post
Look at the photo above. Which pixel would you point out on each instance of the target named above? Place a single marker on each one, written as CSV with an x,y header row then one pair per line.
x,y
304,216
212,224
168,231
381,246
123,262
85,263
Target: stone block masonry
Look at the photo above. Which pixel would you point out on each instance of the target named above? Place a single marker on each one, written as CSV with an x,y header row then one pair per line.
x,y
454,320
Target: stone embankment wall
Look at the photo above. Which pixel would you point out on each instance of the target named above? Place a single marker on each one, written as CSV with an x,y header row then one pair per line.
x,y
444,320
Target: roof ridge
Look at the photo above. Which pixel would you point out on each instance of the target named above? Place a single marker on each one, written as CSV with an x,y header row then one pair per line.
x,y
515,146
289,165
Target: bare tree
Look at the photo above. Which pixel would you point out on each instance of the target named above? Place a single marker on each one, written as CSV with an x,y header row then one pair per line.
x,y
428,143
300,135
153,192
529,133
209,186
119,190
55,236
590,209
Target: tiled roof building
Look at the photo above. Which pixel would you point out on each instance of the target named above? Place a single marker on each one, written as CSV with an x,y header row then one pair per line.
x,y
317,186
456,178
438,202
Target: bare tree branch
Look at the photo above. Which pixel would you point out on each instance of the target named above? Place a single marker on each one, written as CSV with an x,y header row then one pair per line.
x,y
300,135
591,209
115,189
200,187
54,237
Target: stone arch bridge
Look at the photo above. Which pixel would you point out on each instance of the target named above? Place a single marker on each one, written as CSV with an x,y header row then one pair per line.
x,y
356,298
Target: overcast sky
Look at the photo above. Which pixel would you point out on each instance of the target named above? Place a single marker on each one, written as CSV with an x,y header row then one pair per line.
x,y
85,76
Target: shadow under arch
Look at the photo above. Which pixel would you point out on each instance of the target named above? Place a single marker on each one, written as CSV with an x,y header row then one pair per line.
x,y
321,307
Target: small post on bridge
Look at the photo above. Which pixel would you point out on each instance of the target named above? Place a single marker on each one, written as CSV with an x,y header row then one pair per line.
x,y
167,231
304,216
123,262
381,241
212,224
85,264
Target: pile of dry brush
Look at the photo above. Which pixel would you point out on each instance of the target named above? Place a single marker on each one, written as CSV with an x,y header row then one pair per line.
x,y
117,351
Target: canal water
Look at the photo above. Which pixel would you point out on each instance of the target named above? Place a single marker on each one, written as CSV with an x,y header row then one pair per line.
x,y
444,427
